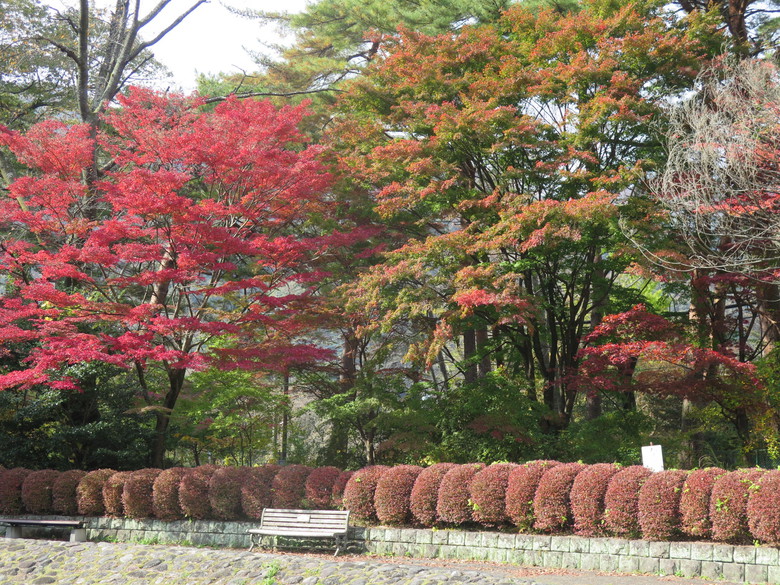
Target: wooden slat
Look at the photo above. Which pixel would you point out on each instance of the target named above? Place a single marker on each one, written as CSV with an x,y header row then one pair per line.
x,y
24,522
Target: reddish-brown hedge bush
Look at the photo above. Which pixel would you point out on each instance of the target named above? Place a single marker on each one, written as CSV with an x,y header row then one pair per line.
x,y
587,498
763,509
89,493
63,492
36,491
337,496
659,505
318,492
137,495
165,494
359,492
695,502
256,491
112,493
621,502
194,492
225,492
11,481
393,493
289,486
520,491
425,493
453,505
487,494
728,505
552,500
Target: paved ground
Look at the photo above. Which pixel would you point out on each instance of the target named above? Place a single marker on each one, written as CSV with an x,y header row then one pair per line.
x,y
40,562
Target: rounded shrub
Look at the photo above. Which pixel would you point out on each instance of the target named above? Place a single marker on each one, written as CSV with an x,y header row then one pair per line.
x,y
225,492
318,491
552,500
659,505
425,493
520,491
359,492
453,505
695,502
763,509
112,493
165,494
621,502
89,493
11,481
337,495
64,492
194,492
37,491
289,486
487,494
137,495
256,491
393,493
728,505
587,498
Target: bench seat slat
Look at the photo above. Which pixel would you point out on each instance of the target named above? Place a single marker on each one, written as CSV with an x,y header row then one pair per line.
x,y
25,522
303,524
296,532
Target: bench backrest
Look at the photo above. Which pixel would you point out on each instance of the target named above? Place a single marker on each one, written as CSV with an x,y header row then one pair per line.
x,y
336,520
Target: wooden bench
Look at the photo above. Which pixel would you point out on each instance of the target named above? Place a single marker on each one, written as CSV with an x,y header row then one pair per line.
x,y
14,527
302,524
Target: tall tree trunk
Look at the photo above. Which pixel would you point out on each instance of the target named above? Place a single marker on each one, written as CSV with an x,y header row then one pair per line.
x,y
469,354
484,366
160,444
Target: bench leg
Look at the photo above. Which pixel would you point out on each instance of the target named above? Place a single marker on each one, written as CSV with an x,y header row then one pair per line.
x,y
341,541
13,532
78,535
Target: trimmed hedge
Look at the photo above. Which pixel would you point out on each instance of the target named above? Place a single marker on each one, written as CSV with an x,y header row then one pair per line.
x,y
728,505
225,492
137,499
37,491
659,505
393,493
359,492
621,502
587,498
552,501
289,486
89,493
488,494
256,491
425,493
337,495
453,505
318,492
112,493
763,509
194,492
520,491
11,481
695,502
64,492
165,494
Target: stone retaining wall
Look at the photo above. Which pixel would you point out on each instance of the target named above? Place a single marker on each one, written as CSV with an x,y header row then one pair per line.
x,y
749,564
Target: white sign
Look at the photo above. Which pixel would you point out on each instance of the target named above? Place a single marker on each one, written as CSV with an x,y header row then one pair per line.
x,y
653,457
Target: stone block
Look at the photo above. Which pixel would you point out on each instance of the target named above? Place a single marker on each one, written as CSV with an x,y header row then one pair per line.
x,y
723,553
649,565
756,573
400,549
392,535
423,537
711,570
560,543
745,554
734,572
505,541
578,544
524,541
590,562
628,564
701,551
427,551
659,550
617,546
689,568
773,574
552,558
457,537
490,539
571,560
533,558
440,536
680,550
639,548
448,551
472,539
497,555
407,535
766,555
609,562
598,546
542,542
667,566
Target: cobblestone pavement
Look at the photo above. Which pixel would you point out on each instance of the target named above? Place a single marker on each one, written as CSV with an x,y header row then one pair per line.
x,y
39,562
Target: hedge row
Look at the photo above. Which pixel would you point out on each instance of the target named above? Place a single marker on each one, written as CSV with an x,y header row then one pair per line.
x,y
542,496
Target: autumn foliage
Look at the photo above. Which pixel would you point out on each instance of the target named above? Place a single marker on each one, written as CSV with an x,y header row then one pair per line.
x,y
11,481
621,502
256,490
659,505
425,493
552,500
89,493
319,487
360,490
763,511
587,498
393,494
695,501
37,491
488,494
520,491
728,504
64,492
165,494
453,506
137,495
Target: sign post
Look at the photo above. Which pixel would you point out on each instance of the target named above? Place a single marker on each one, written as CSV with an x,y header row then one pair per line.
x,y
653,457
